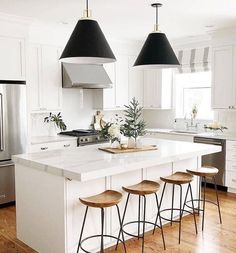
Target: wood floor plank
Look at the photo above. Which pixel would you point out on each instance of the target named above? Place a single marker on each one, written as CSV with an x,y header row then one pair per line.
x,y
216,238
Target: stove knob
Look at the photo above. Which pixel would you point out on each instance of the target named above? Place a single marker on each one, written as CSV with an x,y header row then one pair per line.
x,y
86,139
81,140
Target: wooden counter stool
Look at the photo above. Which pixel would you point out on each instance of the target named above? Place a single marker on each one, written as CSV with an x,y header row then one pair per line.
x,y
204,172
103,200
142,189
178,178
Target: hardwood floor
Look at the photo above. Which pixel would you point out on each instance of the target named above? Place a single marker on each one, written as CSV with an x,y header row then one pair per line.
x,y
216,238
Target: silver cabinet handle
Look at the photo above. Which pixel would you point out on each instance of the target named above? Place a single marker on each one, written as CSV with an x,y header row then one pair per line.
x,y
44,148
234,180
3,196
66,145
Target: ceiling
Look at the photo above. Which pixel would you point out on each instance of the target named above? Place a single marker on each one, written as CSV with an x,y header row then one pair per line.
x,y
132,19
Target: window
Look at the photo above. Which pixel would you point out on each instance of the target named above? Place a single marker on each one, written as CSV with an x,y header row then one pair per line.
x,y
193,90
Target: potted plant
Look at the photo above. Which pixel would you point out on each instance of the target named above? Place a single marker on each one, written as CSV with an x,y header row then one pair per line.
x,y
55,122
134,125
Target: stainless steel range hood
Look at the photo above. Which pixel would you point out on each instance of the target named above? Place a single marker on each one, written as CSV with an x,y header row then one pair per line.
x,y
85,76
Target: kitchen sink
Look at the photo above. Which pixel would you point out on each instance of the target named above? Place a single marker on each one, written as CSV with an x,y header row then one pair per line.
x,y
184,131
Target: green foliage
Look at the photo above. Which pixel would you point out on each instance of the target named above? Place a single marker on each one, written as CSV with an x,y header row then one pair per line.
x,y
104,132
134,126
57,119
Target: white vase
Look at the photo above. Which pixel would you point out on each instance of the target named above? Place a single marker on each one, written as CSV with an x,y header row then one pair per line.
x,y
52,130
131,142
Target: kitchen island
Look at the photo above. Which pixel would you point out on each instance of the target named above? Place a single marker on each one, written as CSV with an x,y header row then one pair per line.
x,y
49,184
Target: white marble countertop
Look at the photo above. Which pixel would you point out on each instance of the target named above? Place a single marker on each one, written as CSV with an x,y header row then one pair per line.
x,y
87,163
219,135
48,139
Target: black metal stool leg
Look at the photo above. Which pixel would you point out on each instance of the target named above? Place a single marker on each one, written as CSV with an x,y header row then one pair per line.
x,y
185,199
172,202
159,215
199,194
180,212
194,217
217,199
102,230
144,219
82,229
139,207
121,225
123,218
204,202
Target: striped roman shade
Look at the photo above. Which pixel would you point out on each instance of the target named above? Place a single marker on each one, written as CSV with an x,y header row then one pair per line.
x,y
194,60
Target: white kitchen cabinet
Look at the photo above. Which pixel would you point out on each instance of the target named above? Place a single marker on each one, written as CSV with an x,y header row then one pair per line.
x,y
157,88
12,60
135,81
116,97
122,81
223,83
230,172
45,78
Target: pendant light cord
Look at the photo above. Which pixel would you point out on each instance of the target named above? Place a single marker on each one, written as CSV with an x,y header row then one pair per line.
x,y
156,6
157,17
87,5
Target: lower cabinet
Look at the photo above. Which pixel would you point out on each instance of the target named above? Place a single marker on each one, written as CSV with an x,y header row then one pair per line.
x,y
230,171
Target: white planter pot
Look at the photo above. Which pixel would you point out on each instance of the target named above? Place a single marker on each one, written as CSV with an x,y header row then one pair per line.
x,y
131,143
52,130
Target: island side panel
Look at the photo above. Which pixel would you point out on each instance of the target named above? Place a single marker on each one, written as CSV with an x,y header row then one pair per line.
x,y
75,213
40,209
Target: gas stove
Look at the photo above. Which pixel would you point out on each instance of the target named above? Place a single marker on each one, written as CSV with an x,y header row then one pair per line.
x,y
86,136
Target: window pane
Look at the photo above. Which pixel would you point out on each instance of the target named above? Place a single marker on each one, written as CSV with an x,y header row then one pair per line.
x,y
193,89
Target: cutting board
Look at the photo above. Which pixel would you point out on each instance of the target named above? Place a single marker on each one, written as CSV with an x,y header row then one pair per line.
x,y
128,150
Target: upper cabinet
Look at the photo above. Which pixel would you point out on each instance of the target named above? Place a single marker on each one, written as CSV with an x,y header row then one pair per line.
x,y
157,88
135,81
12,60
223,77
45,78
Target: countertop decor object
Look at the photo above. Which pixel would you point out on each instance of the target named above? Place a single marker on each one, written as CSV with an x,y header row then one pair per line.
x,y
157,51
55,122
128,150
134,125
87,43
215,126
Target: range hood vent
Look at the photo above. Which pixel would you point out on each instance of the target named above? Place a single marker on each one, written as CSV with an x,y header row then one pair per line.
x,y
85,76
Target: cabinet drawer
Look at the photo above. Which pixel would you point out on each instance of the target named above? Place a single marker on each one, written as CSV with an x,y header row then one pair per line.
x,y
231,145
53,146
231,166
231,179
231,155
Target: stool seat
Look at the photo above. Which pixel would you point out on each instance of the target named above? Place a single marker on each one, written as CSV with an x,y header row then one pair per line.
x,y
204,171
178,178
105,199
143,188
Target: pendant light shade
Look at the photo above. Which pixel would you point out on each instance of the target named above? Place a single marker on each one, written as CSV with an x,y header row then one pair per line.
x,y
87,44
157,51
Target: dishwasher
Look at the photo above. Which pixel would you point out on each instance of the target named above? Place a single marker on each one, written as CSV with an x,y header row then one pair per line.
x,y
216,160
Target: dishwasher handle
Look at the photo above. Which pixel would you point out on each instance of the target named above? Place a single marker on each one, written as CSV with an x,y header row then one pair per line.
x,y
210,141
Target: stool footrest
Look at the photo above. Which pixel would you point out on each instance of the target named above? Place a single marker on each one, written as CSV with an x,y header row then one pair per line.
x,y
133,222
95,236
174,209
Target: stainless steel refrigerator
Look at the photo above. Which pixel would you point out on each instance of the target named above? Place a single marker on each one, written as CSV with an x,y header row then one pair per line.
x,y
13,130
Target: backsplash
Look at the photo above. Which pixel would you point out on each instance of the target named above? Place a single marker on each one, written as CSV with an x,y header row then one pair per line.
x,y
78,112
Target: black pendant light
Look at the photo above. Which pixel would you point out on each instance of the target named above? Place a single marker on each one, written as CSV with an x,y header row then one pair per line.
x,y
157,51
87,43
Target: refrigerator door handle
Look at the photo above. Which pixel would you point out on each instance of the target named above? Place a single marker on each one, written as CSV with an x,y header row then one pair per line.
x,y
1,124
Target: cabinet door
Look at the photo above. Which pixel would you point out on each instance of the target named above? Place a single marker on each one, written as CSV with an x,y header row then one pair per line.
x,y
222,77
12,60
122,79
135,81
109,94
34,77
150,87
51,78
